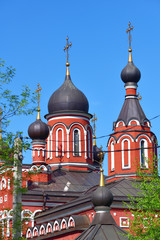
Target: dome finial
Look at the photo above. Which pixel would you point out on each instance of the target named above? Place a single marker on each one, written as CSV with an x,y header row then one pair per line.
x,y
94,129
38,100
101,155
66,48
129,50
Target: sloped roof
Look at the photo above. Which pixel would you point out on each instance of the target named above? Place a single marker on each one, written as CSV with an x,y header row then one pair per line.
x,y
132,110
103,232
66,181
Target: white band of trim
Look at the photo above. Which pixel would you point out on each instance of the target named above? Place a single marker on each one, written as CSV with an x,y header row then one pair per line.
x,y
72,164
131,96
129,87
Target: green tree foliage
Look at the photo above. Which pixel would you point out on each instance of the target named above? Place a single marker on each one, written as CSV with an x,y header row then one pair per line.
x,y
146,206
11,105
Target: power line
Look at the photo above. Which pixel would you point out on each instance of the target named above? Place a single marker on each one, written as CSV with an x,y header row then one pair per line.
x,y
103,136
105,151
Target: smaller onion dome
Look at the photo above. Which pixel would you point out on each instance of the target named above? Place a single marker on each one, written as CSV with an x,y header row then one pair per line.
x,y
38,130
102,196
130,73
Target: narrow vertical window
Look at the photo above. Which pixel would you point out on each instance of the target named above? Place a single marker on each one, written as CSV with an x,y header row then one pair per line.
x,y
126,162
143,153
59,142
76,142
126,153
112,156
89,144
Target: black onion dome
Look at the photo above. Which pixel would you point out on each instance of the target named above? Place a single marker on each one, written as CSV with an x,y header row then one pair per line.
x,y
38,130
102,197
130,73
68,98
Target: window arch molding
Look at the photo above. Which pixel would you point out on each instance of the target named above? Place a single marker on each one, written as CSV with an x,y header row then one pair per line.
x,y
50,139
143,145
76,142
123,153
57,142
89,141
144,136
112,155
110,140
125,136
134,120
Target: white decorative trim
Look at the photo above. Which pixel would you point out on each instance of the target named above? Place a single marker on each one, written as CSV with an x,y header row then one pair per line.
x,y
131,86
29,232
85,143
129,154
124,226
145,157
54,225
67,143
125,135
89,143
133,97
121,175
48,146
110,140
68,117
58,165
120,122
9,185
63,221
143,135
3,183
35,229
57,141
138,123
112,157
47,228
79,144
69,222
42,228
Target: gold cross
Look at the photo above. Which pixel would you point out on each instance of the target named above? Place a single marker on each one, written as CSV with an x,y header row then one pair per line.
x,y
37,91
129,30
94,125
139,97
66,48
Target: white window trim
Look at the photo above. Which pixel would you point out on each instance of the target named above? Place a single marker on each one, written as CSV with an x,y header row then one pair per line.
x,y
69,222
127,219
129,154
63,221
89,144
145,152
112,156
79,132
59,129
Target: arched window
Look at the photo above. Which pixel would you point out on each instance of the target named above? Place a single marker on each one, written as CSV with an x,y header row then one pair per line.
x,y
59,142
126,163
89,144
76,142
112,156
143,153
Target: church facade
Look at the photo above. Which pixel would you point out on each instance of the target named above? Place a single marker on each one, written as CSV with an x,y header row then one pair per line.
x,y
66,161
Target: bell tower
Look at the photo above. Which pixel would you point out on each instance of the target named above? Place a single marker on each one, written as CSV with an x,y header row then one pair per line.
x,y
132,144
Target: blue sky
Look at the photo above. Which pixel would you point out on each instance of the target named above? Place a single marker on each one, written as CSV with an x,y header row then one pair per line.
x,y
33,35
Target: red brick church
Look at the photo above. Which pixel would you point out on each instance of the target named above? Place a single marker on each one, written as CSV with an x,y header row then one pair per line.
x,y
58,203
